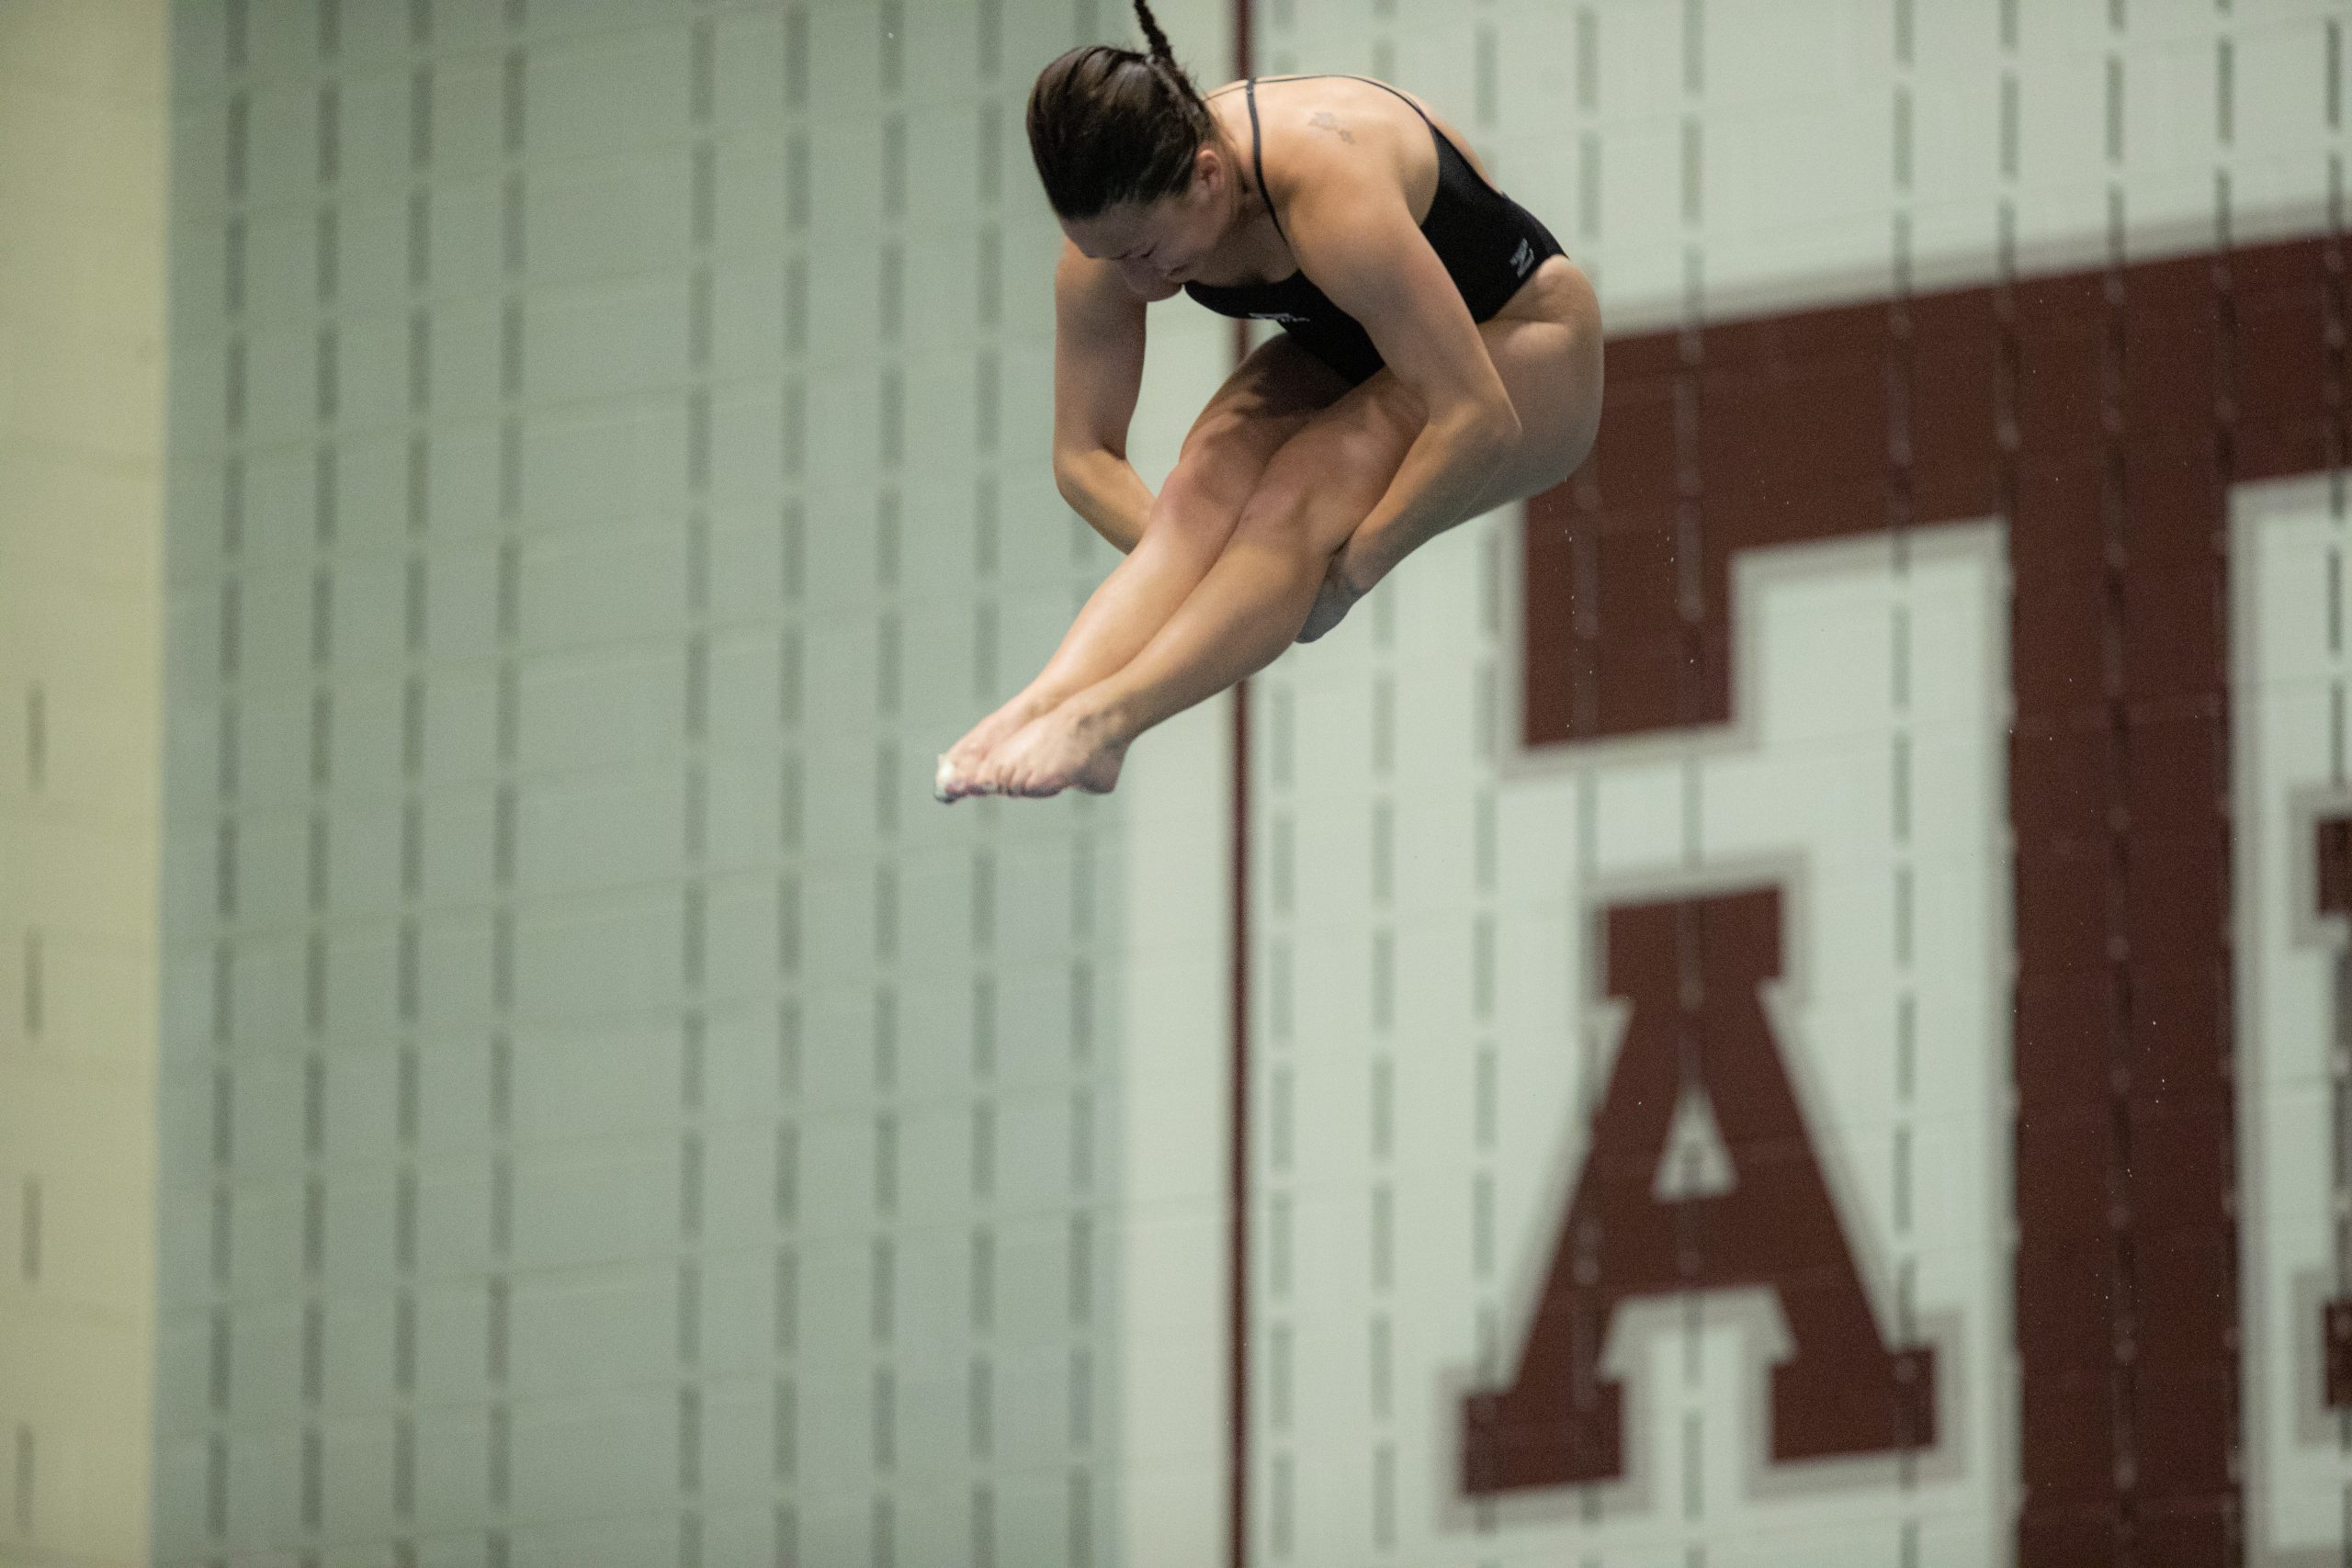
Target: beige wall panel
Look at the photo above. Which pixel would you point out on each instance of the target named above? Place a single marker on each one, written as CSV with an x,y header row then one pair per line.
x,y
82,225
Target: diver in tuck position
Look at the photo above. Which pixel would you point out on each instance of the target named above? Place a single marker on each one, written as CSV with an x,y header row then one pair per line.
x,y
1439,357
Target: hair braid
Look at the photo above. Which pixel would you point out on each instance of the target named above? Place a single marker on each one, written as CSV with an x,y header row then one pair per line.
x,y
1161,59
1160,52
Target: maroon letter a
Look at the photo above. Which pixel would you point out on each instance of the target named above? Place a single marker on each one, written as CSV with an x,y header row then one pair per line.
x,y
1691,971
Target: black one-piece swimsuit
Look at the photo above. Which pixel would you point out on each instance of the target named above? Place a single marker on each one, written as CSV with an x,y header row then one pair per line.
x,y
1487,241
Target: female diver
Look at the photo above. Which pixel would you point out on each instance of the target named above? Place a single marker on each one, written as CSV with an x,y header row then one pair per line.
x,y
1439,357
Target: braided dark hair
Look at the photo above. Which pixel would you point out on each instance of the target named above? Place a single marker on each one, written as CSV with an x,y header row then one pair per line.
x,y
1109,125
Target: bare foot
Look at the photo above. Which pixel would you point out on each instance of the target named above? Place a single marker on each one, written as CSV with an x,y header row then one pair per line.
x,y
962,764
1071,747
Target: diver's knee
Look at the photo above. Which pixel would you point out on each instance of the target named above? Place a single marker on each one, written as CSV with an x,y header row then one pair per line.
x,y
1192,509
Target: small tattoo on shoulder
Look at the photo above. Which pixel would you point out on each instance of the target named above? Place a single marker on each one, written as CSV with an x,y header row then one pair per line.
x,y
1327,121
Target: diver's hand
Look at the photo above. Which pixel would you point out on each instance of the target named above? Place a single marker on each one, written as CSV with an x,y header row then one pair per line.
x,y
1344,582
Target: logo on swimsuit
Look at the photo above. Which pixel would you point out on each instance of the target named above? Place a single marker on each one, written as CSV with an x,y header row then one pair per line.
x,y
1522,258
1283,317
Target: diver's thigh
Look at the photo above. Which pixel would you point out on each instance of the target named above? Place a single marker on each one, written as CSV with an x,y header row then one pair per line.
x,y
1276,389
1338,463
1334,469
1277,380
1551,365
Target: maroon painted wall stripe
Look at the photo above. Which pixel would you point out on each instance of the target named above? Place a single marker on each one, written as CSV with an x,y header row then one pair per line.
x,y
2333,854
2334,851
2105,414
1237,1161
1238,1153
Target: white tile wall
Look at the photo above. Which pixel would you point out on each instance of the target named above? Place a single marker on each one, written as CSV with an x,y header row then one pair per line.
x,y
2289,767
624,1061
1804,196
637,634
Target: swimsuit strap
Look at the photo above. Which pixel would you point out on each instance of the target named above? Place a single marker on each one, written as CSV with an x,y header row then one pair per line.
x,y
1257,153
1258,156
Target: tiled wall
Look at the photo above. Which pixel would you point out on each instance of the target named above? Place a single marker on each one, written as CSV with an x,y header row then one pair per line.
x,y
1730,157
82,154
1435,1022
2291,760
610,1113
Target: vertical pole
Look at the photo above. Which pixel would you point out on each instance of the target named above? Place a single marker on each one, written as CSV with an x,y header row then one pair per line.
x,y
1238,1174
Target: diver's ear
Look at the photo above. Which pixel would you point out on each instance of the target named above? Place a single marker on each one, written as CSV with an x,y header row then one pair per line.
x,y
1209,170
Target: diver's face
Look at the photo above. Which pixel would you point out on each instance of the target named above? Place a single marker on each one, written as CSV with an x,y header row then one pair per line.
x,y
1156,246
